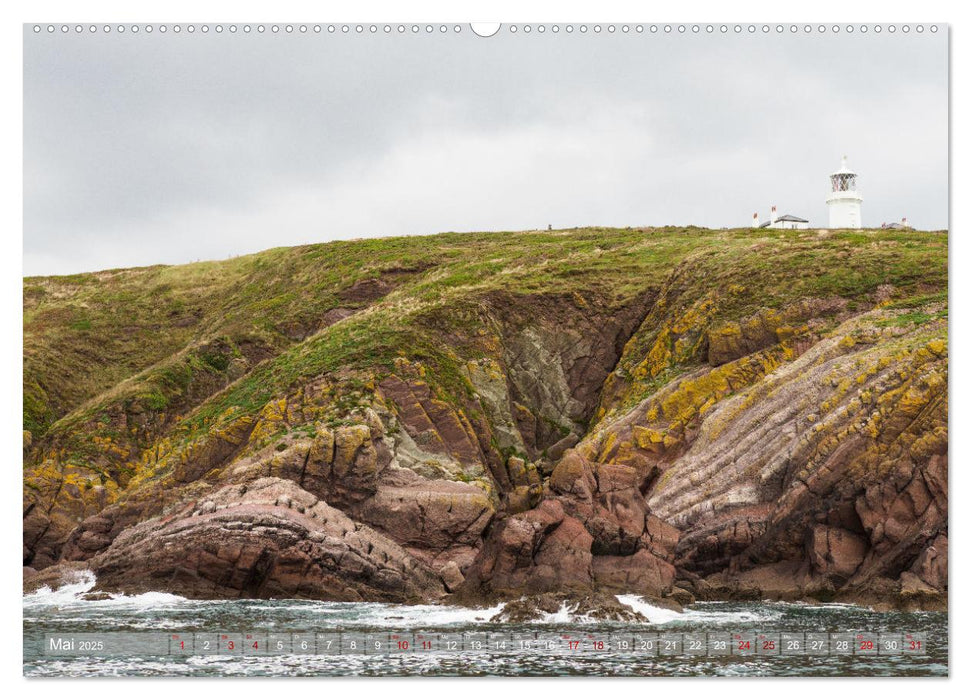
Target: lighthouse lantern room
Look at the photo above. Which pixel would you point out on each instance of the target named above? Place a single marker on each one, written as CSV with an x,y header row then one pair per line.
x,y
845,210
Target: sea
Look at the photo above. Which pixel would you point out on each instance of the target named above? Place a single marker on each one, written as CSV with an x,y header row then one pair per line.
x,y
71,610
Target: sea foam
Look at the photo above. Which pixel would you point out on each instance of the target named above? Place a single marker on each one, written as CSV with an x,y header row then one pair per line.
x,y
697,614
73,594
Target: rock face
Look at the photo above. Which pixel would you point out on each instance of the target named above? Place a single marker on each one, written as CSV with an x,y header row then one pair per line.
x,y
427,527
593,533
538,551
557,352
268,538
685,419
824,475
827,475
440,522
835,552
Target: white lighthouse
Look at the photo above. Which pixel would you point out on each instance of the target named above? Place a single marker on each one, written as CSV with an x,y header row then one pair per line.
x,y
845,210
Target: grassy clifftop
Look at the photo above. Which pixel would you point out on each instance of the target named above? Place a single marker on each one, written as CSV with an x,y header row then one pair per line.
x,y
85,334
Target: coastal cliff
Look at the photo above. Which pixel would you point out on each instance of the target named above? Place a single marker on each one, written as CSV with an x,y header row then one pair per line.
x,y
679,413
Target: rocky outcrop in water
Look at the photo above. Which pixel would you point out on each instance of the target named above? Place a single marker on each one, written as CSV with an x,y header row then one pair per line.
x,y
539,608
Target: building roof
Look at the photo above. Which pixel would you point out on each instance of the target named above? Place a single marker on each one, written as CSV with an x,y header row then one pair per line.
x,y
844,168
786,217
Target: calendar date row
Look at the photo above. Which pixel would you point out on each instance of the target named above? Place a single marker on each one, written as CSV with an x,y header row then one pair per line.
x,y
717,643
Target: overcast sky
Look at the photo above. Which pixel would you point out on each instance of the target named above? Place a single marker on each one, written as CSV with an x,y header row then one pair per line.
x,y
152,148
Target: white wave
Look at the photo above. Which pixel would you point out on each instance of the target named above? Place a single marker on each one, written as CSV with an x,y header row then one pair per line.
x,y
725,616
653,613
662,616
74,594
387,615
66,594
562,615
816,606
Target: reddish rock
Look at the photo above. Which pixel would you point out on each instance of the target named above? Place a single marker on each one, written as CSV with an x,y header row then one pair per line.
x,y
785,580
642,573
931,564
615,477
573,477
541,550
451,576
913,586
436,426
608,500
268,538
527,425
38,551
341,466
837,552
662,536
556,451
522,498
426,513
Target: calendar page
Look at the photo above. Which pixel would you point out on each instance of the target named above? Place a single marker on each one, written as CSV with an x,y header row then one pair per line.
x,y
513,349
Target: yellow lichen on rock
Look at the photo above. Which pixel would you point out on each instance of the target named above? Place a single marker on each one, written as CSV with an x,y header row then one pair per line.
x,y
269,422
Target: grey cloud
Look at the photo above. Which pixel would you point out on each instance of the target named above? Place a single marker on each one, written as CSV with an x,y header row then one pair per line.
x,y
164,148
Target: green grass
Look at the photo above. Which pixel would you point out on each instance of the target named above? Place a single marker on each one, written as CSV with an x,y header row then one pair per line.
x,y
147,337
912,318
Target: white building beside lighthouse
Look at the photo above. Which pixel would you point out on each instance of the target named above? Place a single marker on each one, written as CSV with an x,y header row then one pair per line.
x,y
844,201
776,221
